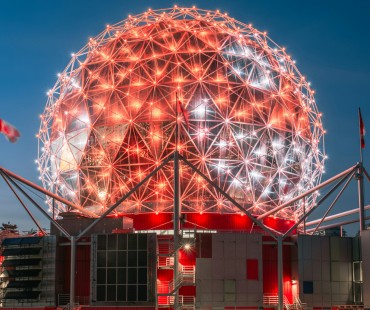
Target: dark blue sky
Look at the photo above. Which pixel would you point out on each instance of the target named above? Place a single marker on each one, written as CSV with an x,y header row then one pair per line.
x,y
330,40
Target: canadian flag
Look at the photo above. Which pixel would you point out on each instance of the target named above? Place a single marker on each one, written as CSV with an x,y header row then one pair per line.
x,y
10,132
184,113
362,129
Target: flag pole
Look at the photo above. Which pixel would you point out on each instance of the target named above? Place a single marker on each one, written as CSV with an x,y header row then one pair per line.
x,y
176,200
361,128
360,176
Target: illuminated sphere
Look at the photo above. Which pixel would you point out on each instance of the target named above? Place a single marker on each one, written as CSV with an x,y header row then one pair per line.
x,y
254,128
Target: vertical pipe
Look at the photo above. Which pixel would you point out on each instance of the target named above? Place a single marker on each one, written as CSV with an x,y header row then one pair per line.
x,y
176,207
304,215
73,273
54,187
360,185
176,224
280,272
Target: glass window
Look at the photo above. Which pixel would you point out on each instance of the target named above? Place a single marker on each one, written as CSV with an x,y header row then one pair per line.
x,y
122,268
131,292
111,293
122,242
102,242
357,271
142,294
132,258
142,258
101,259
112,259
121,276
121,259
121,293
101,277
112,242
111,276
142,242
132,242
142,276
307,287
100,292
131,276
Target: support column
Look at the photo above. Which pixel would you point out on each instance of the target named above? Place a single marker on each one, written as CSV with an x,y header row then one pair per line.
x,y
176,223
304,215
73,273
360,185
280,272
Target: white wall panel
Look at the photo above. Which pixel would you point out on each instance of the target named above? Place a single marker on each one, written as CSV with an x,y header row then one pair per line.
x,y
345,288
316,247
325,271
229,255
325,249
317,288
206,286
336,251
338,299
326,298
307,250
326,287
218,287
206,297
204,268
230,249
218,268
218,297
327,261
217,246
241,246
308,270
316,270
335,287
240,269
230,269
317,299
365,245
335,271
345,274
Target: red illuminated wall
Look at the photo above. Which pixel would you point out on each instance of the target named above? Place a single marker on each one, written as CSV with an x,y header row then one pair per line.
x,y
203,244
208,221
82,278
270,272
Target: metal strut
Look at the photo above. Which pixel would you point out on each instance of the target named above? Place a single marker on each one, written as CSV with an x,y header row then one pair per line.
x,y
61,229
228,197
320,201
334,202
23,205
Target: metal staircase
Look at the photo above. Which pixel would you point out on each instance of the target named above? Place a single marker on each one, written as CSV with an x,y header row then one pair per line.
x,y
273,300
167,290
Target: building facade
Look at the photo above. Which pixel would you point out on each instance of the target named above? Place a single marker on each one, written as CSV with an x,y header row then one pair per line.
x,y
120,265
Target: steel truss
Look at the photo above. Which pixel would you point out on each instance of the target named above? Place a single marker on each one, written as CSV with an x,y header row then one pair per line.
x,y
342,178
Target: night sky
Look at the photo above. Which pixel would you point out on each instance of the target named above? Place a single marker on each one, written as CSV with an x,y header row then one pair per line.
x,y
330,40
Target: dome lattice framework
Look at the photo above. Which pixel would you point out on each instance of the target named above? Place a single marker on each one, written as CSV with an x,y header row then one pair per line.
x,y
254,128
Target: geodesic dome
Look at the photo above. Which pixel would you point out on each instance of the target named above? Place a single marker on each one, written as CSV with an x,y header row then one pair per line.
x,y
254,128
